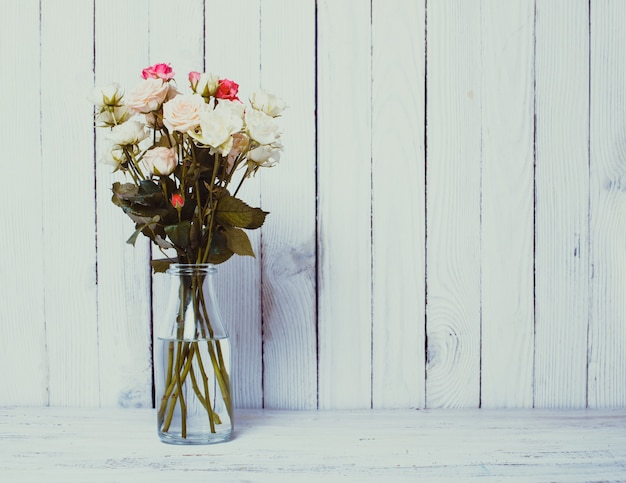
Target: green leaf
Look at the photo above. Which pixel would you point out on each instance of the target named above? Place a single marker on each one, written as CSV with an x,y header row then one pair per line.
x,y
179,234
237,241
140,228
160,266
145,200
123,192
233,212
219,251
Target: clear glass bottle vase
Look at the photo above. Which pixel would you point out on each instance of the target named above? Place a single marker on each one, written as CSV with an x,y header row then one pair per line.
x,y
192,361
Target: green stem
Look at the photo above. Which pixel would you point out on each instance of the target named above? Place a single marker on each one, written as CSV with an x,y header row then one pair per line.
x,y
211,210
181,361
206,399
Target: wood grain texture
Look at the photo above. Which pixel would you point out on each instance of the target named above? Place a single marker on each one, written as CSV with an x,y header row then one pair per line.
x,y
398,203
344,204
562,206
186,54
309,446
454,195
69,223
288,193
232,51
124,311
507,230
525,238
22,311
607,330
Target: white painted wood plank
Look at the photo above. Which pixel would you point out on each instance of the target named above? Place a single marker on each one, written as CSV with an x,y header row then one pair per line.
x,y
121,52
562,185
607,330
288,193
233,51
23,341
507,203
184,55
270,446
69,204
344,203
454,195
398,203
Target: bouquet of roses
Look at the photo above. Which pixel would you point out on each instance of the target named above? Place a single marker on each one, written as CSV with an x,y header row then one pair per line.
x,y
182,154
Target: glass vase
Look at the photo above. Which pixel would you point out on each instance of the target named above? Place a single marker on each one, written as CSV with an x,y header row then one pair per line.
x,y
192,361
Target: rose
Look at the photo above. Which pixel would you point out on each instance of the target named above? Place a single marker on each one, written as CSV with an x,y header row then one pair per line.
x,y
160,160
113,156
158,71
227,89
194,77
112,116
108,96
177,201
203,84
129,133
261,127
183,112
240,145
268,103
218,125
265,155
148,95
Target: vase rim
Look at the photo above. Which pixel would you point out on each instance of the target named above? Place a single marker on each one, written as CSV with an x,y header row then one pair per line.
x,y
192,267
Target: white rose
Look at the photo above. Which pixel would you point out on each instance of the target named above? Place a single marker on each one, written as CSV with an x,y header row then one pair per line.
x,y
265,155
218,125
268,103
182,113
113,156
261,127
112,116
129,133
148,95
235,108
160,160
207,84
103,97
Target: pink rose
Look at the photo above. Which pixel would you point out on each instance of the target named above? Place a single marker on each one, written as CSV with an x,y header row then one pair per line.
x,y
194,77
240,144
160,160
158,71
227,89
147,96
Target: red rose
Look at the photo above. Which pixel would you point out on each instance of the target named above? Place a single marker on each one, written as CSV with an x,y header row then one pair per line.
x,y
227,89
177,201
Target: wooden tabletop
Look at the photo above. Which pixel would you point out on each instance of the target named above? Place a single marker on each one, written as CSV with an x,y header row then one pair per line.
x,y
119,445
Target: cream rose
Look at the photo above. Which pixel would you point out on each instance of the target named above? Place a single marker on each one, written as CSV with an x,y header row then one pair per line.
x,y
218,125
268,103
261,127
182,113
129,133
148,95
160,160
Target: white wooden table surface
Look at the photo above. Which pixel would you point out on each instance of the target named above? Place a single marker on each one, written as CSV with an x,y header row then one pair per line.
x,y
98,445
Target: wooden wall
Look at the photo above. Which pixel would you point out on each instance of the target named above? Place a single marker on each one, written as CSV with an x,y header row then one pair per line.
x,y
448,221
